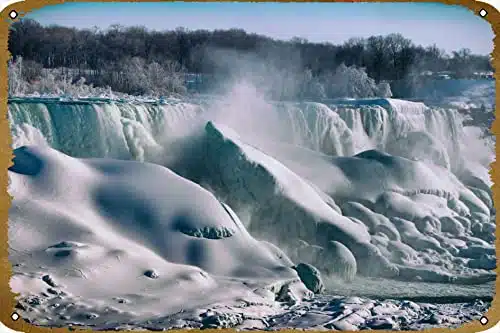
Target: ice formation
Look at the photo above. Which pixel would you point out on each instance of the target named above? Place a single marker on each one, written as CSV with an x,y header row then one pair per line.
x,y
235,193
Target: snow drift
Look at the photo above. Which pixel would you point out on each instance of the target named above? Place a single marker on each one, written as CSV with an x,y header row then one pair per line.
x,y
131,234
394,215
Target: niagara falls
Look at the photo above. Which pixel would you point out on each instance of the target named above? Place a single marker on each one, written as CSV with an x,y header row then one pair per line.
x,y
251,182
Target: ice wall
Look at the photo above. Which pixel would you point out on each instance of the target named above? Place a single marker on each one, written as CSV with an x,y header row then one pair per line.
x,y
98,129
149,131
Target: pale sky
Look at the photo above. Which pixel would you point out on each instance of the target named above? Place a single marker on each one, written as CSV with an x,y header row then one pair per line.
x,y
449,27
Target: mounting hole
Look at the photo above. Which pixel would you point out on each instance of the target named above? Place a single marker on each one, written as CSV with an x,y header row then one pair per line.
x,y
14,316
483,320
483,12
13,14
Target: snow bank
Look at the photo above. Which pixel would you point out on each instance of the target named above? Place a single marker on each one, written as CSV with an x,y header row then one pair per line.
x,y
129,240
284,207
413,219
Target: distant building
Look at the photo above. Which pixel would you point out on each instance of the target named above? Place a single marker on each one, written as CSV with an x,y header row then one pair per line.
x,y
444,75
427,73
447,75
483,75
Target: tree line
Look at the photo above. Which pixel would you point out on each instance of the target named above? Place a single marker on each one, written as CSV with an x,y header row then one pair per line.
x,y
136,60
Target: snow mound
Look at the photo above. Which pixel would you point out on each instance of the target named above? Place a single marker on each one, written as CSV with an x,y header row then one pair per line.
x,y
399,218
131,239
283,206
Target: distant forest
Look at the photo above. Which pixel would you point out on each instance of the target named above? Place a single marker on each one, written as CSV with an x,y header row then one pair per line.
x,y
135,60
